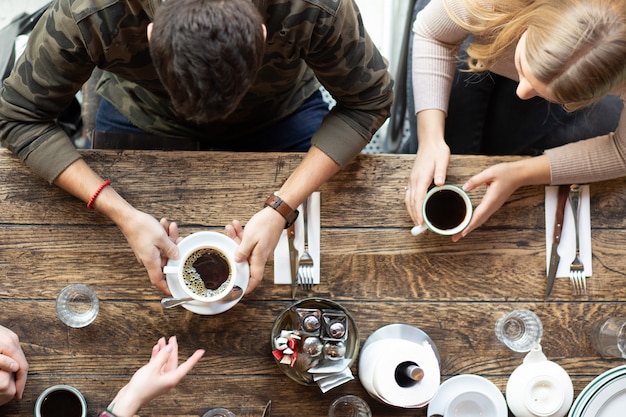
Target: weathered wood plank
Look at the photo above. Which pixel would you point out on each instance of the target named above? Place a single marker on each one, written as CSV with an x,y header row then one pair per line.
x,y
174,184
377,264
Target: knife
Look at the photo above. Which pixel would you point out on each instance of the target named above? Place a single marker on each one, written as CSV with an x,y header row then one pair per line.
x,y
556,237
293,259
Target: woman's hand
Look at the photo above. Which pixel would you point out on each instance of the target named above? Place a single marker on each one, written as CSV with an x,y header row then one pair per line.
x,y
502,180
157,377
431,161
430,166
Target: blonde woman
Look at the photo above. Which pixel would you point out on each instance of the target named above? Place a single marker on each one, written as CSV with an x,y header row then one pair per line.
x,y
569,52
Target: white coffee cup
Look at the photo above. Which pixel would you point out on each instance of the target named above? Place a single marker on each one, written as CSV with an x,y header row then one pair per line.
x,y
470,404
61,400
215,273
446,210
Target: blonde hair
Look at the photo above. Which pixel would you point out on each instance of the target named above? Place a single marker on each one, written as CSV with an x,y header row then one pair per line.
x,y
576,47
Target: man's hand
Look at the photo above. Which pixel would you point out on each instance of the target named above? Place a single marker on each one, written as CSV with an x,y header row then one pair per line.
x,y
153,244
13,367
257,242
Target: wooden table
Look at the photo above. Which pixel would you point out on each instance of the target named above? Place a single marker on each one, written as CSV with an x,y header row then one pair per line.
x,y
370,264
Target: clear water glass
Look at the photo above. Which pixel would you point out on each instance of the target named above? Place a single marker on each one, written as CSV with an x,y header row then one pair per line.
x,y
519,330
608,337
349,406
218,412
77,305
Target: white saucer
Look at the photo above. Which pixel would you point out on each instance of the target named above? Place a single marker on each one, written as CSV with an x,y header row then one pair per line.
x,y
228,246
605,396
470,392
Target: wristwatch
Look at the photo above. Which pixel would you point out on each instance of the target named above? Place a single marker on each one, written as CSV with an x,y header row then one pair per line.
x,y
277,203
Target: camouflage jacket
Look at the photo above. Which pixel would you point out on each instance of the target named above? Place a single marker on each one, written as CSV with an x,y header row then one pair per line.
x,y
74,36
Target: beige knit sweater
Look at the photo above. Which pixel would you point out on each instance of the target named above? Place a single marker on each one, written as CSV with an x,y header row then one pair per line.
x,y
437,40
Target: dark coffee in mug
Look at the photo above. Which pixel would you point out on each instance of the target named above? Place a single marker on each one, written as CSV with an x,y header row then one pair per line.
x,y
445,209
207,272
61,403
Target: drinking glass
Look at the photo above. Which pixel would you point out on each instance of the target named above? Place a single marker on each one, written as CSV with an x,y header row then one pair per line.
x,y
218,412
608,337
519,330
349,406
77,305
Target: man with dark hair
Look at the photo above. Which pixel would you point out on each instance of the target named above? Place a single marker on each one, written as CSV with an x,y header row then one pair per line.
x,y
235,75
206,55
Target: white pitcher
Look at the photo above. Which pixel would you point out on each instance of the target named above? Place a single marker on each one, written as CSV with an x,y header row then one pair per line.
x,y
539,387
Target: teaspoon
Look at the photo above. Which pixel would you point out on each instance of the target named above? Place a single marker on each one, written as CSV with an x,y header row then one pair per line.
x,y
173,302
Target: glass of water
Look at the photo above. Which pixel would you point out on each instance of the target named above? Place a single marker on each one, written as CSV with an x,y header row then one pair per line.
x,y
219,412
349,406
519,330
608,337
77,305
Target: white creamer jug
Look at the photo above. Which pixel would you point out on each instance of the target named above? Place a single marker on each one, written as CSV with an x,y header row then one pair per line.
x,y
539,387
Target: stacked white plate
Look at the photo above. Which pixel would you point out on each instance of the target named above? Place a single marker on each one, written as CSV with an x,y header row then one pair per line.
x,y
605,396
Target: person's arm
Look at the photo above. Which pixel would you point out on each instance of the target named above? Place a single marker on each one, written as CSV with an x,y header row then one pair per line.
x,y
13,366
264,228
431,161
158,376
43,83
152,242
595,159
28,127
436,42
348,64
501,181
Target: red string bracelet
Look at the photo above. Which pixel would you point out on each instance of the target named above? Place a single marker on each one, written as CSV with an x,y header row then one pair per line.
x,y
96,194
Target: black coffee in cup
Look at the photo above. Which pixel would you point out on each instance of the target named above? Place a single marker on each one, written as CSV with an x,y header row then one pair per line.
x,y
207,272
61,403
445,209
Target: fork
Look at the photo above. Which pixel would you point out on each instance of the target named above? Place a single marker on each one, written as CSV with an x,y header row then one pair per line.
x,y
576,268
305,265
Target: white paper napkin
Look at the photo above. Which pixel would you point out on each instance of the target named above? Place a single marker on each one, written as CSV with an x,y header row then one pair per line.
x,y
567,247
282,267
330,381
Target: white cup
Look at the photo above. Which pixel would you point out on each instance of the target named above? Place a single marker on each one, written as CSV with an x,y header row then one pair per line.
x,y
220,269
214,275
61,400
219,412
446,210
471,404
